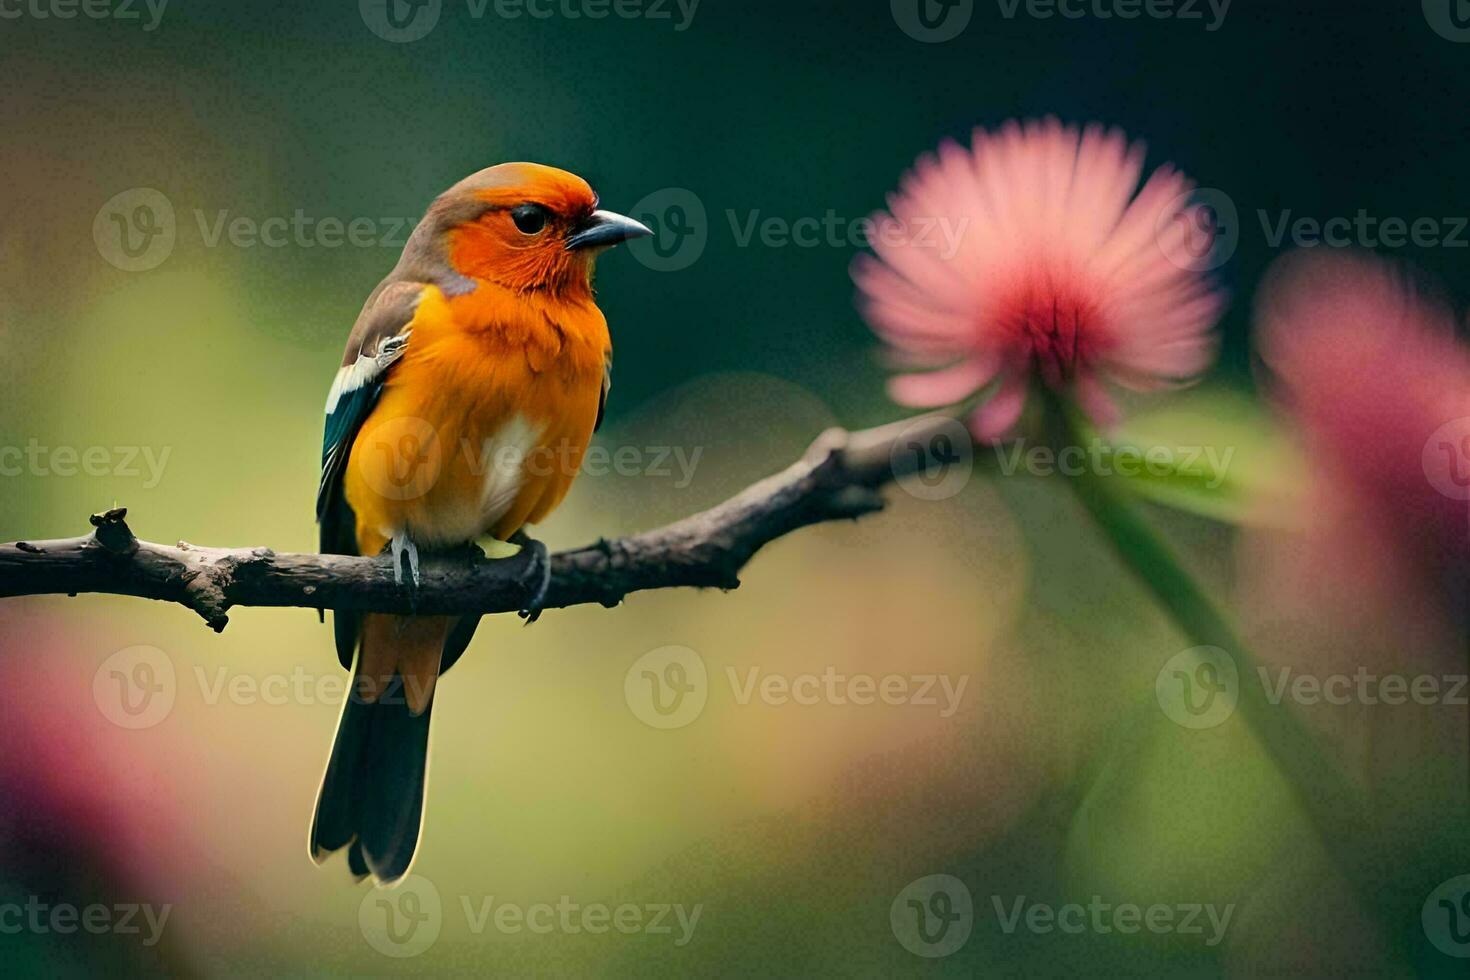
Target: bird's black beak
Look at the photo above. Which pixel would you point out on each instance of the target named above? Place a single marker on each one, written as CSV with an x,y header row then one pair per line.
x,y
603,229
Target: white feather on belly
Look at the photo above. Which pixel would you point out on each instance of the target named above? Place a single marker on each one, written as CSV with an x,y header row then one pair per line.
x,y
503,457
500,462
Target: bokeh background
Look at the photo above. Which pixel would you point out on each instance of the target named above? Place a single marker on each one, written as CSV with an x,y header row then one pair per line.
x,y
198,358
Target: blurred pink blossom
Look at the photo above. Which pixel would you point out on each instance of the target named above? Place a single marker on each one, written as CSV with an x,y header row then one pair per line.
x,y
1369,365
1061,270
90,815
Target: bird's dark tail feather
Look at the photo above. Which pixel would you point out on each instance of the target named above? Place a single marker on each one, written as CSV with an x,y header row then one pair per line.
x,y
372,795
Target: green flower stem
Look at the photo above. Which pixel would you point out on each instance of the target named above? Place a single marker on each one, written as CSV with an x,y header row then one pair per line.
x,y
1327,797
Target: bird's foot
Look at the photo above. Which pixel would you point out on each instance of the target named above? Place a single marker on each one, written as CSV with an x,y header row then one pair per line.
x,y
402,546
537,577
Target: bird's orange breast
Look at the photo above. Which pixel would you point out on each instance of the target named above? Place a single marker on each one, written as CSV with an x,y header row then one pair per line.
x,y
482,424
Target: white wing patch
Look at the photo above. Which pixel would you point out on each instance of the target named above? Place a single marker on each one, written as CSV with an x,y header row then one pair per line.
x,y
367,368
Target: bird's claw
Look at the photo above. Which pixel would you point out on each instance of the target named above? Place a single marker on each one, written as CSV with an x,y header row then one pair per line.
x,y
536,579
401,546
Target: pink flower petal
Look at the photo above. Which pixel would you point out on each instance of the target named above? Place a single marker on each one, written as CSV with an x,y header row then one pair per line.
x,y
1037,248
994,420
944,387
1093,396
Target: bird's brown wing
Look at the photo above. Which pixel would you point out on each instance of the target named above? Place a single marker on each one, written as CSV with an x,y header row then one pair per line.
x,y
377,341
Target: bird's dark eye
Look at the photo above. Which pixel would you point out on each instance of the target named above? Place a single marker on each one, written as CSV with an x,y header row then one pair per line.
x,y
529,218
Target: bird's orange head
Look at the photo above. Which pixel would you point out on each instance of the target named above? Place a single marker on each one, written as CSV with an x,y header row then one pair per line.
x,y
525,227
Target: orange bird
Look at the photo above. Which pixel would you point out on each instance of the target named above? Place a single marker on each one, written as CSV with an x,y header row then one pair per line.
x,y
473,380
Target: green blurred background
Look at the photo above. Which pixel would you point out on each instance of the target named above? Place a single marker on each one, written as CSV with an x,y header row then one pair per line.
x,y
795,827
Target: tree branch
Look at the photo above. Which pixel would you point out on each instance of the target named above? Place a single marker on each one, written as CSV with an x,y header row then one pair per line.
x,y
837,478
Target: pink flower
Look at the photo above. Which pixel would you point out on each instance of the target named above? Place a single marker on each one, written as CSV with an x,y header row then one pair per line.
x,y
1029,256
1369,366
